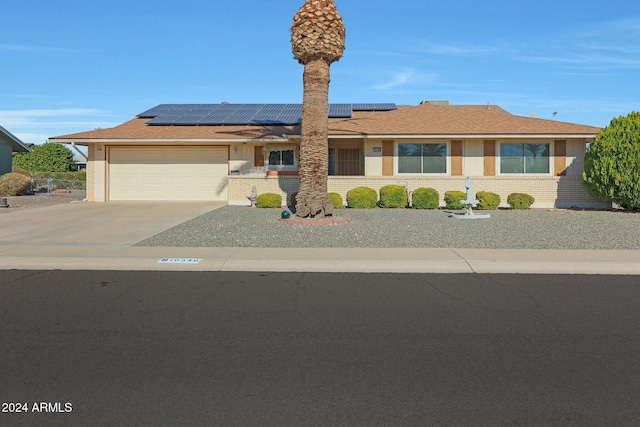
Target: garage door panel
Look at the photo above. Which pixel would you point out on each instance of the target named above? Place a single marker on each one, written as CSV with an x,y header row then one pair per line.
x,y
168,173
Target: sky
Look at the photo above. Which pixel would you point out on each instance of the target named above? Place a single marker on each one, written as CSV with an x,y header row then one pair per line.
x,y
72,66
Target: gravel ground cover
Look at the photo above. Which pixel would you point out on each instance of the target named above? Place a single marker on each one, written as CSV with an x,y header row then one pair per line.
x,y
39,200
237,226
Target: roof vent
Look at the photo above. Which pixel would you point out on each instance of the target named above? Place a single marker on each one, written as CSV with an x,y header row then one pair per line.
x,y
444,102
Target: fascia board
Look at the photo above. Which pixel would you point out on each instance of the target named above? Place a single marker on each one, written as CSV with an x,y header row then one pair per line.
x,y
456,136
164,141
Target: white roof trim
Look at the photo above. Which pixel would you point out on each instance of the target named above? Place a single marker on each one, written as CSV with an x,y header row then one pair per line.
x,y
460,136
81,141
286,138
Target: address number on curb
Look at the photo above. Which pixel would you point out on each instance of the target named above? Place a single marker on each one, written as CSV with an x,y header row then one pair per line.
x,y
179,260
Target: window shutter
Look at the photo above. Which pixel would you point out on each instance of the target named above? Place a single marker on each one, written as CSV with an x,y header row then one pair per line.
x,y
456,157
560,158
489,157
258,156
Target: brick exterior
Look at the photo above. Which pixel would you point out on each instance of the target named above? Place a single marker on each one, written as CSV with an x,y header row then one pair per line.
x,y
473,135
91,173
548,191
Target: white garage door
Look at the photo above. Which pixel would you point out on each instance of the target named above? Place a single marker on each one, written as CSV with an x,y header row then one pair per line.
x,y
168,173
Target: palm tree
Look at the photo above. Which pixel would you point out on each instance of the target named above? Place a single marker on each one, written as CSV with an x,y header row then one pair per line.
x,y
317,40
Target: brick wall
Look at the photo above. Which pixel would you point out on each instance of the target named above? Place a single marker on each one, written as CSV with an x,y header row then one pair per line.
x,y
549,191
91,173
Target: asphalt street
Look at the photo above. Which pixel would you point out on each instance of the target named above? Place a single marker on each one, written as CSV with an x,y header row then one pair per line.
x,y
109,348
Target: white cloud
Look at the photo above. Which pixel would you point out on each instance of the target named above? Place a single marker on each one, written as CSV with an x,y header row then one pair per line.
x,y
456,50
5,47
37,125
625,27
612,45
13,48
10,118
405,77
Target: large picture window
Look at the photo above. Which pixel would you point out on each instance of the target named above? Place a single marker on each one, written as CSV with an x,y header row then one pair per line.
x,y
422,158
524,158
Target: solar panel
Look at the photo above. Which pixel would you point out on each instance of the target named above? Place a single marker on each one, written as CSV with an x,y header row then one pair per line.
x,y
244,114
340,110
166,119
374,107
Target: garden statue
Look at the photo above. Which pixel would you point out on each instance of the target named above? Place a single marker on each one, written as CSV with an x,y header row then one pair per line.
x,y
468,203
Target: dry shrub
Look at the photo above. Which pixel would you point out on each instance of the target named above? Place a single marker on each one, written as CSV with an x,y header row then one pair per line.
x,y
14,184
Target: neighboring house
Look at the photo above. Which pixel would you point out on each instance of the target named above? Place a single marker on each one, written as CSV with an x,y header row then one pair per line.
x,y
81,163
220,151
9,144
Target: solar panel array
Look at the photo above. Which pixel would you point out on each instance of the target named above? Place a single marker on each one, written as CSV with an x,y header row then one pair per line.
x,y
245,114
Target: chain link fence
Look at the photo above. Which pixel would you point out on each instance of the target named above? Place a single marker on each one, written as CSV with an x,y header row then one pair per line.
x,y
52,185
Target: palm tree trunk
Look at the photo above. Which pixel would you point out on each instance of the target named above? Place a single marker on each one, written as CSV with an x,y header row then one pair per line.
x,y
313,197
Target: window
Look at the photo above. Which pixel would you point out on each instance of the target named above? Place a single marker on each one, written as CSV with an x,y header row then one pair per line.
x,y
524,158
345,161
422,158
281,158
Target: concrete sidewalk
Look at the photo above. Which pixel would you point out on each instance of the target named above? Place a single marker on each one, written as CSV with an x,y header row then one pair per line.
x,y
100,236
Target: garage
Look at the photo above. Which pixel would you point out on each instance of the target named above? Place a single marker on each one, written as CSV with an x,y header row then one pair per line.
x,y
167,173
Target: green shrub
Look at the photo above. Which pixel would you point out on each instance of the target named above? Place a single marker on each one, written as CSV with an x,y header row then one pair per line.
x,y
425,198
612,163
293,199
520,200
269,200
453,198
394,196
14,184
362,198
488,201
48,157
336,199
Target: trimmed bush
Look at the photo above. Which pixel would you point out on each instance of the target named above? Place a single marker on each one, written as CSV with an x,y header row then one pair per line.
x,y
293,199
488,201
14,184
336,199
394,196
453,198
269,200
520,200
425,198
362,198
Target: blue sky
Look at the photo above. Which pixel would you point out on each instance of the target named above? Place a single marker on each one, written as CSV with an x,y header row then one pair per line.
x,y
71,66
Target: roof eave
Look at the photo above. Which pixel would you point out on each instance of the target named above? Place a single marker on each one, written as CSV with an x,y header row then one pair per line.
x,y
87,141
459,136
17,144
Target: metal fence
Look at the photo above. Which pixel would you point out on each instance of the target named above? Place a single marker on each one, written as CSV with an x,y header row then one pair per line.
x,y
51,185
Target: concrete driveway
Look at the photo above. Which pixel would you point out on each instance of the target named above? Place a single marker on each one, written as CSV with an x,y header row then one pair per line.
x,y
101,236
96,224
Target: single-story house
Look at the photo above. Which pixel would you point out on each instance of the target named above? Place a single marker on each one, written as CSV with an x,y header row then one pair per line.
x,y
221,151
9,144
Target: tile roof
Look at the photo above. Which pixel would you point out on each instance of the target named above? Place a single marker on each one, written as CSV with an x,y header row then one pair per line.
x,y
424,120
